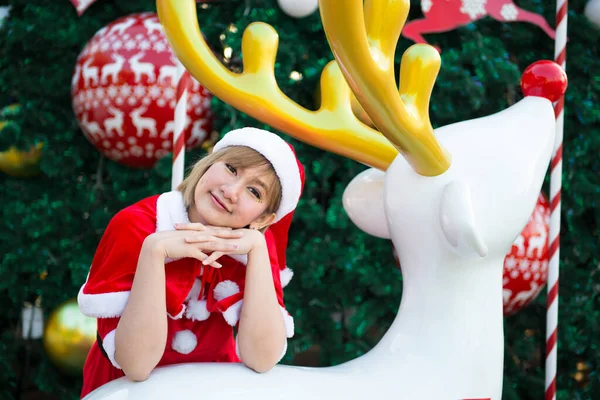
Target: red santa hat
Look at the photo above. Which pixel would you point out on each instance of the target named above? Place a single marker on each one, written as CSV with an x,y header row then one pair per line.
x,y
290,172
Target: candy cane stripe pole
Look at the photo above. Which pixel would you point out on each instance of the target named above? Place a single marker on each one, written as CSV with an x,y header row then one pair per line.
x,y
560,56
183,80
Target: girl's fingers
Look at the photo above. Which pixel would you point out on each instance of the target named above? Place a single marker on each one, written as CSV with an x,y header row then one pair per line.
x,y
227,234
217,227
212,258
202,257
218,246
195,226
199,238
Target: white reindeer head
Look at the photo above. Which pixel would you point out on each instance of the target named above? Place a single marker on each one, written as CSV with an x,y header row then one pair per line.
x,y
481,203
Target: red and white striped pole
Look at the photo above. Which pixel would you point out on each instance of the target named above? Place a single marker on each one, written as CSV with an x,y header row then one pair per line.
x,y
183,80
560,56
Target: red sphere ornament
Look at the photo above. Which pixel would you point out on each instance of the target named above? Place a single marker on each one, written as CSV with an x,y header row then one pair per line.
x,y
124,93
544,79
526,265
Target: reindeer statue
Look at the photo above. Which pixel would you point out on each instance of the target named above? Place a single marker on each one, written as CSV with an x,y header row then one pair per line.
x,y
453,202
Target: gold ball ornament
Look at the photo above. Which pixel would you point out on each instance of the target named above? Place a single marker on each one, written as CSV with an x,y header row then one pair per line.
x,y
68,337
15,162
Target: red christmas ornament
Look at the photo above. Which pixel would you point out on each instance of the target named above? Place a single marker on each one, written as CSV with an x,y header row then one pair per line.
x,y
526,265
124,93
544,79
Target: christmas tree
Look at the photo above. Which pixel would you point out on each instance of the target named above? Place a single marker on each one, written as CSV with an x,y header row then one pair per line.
x,y
347,286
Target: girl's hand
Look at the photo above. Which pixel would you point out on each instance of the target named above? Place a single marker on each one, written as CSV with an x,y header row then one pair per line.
x,y
177,244
247,240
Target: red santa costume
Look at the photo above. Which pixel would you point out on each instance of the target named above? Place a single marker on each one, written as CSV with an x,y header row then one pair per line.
x,y
203,303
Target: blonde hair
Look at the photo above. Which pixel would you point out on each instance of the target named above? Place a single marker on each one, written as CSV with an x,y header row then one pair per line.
x,y
237,157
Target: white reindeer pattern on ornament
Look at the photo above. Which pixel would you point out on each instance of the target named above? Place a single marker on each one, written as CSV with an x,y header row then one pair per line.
x,y
112,69
143,123
141,68
115,122
168,71
92,128
169,128
199,134
153,25
121,27
90,74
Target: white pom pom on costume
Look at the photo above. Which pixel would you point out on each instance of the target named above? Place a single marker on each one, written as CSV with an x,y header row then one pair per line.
x,y
197,311
225,289
288,320
286,276
232,314
184,342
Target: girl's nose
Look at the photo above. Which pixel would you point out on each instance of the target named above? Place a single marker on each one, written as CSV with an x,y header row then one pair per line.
x,y
231,191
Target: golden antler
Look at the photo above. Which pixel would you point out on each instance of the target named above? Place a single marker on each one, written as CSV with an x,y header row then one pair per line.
x,y
333,127
366,57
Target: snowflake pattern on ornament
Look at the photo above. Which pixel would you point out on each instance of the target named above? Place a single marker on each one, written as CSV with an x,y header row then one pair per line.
x,y
124,88
509,12
473,8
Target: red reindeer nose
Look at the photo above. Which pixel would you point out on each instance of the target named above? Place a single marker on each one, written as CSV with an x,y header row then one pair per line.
x,y
544,79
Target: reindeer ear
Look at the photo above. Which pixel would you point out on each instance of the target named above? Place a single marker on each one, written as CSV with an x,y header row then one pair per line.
x,y
458,221
363,202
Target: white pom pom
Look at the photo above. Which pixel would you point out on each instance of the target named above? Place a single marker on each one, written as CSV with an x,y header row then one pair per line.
x,y
288,320
286,276
184,342
232,314
225,289
197,311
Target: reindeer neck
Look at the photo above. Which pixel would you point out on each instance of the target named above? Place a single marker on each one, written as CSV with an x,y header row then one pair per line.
x,y
452,309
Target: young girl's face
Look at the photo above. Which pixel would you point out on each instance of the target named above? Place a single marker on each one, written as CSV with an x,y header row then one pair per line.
x,y
232,197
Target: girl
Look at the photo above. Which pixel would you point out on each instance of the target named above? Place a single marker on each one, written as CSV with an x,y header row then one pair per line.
x,y
175,272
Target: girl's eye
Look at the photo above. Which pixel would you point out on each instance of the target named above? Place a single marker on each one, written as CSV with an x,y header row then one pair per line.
x,y
255,192
231,168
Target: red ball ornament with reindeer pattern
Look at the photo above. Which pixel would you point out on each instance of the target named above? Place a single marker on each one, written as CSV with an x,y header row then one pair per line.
x,y
124,92
526,264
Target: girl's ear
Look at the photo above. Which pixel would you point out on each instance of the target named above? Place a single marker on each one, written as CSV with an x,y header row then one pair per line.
x,y
263,221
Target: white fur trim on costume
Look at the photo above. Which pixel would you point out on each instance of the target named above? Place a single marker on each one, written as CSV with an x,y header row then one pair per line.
x,y
184,342
285,275
108,344
225,289
170,210
179,315
232,314
279,154
288,320
197,311
242,258
103,305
